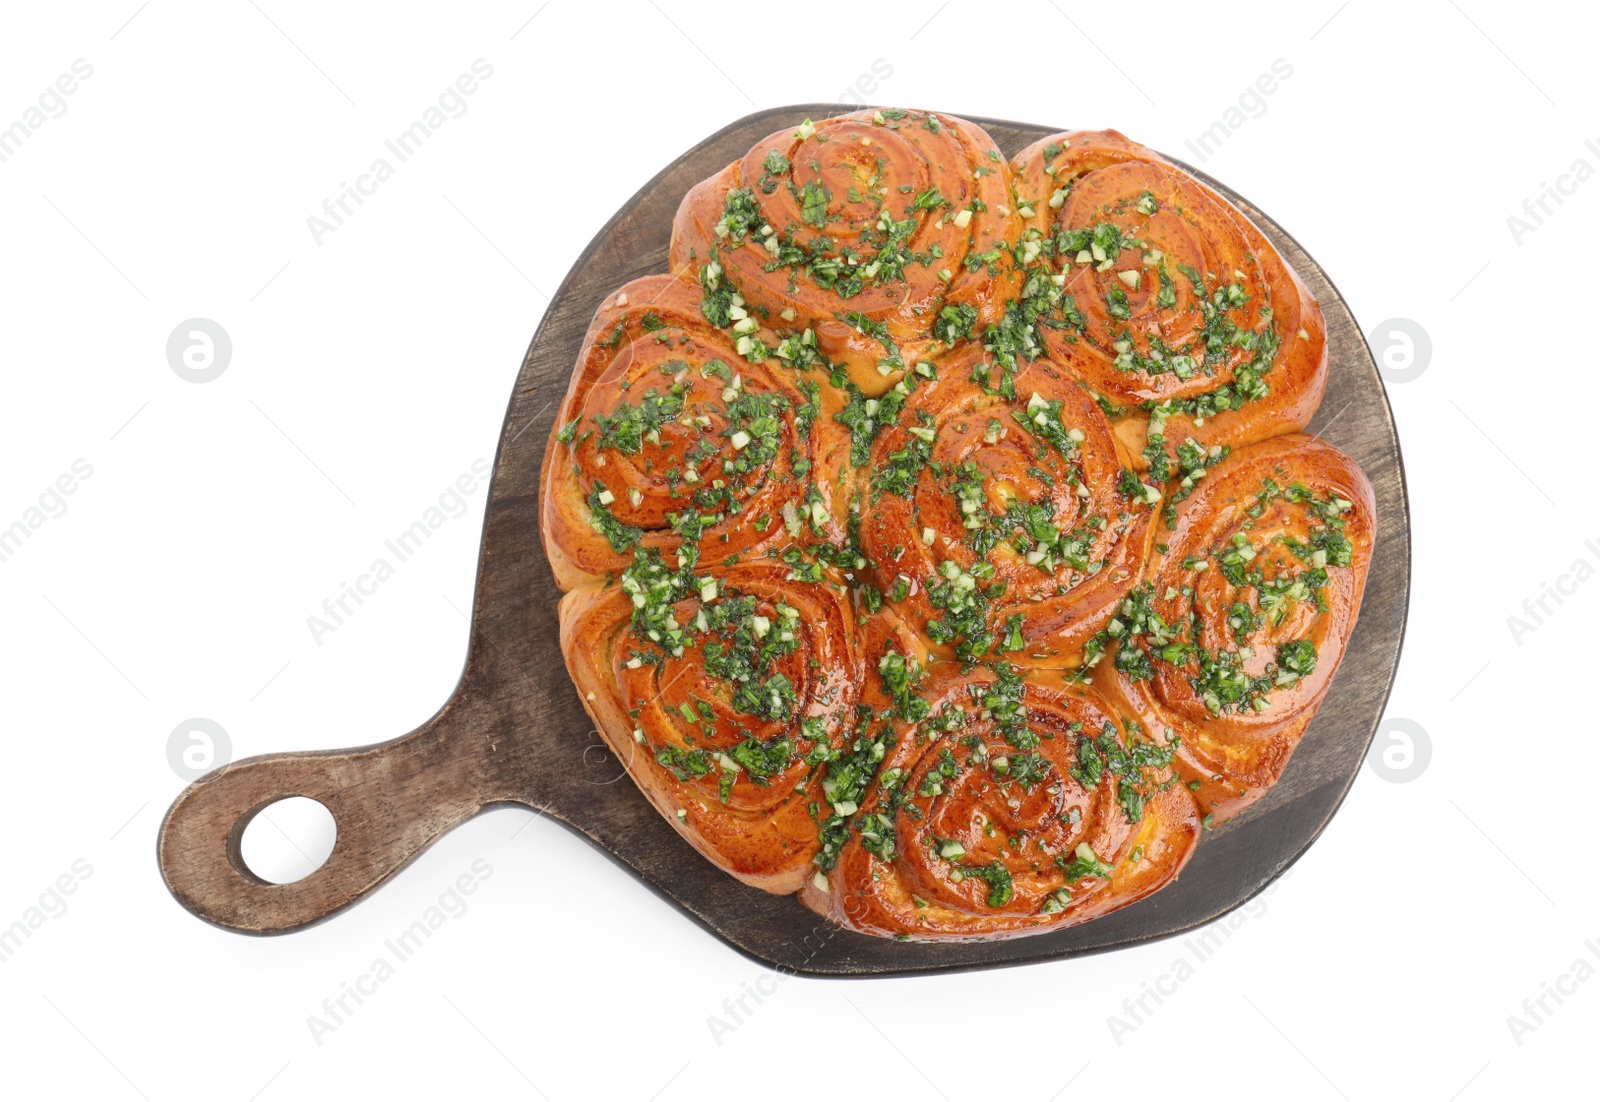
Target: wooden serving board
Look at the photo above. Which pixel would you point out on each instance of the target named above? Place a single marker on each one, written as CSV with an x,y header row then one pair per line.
x,y
514,731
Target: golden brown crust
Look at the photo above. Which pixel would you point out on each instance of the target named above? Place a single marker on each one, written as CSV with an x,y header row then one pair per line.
x,y
901,179
1267,518
884,564
754,820
1144,302
649,342
998,467
983,824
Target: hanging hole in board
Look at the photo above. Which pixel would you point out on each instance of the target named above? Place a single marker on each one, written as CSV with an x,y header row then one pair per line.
x,y
288,840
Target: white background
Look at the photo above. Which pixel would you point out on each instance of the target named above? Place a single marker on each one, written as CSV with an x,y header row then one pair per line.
x,y
372,369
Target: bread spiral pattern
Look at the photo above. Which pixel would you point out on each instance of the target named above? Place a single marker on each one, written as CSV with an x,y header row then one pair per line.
x,y
667,435
871,230
1005,522
1232,637
1186,320
939,538
1003,806
725,692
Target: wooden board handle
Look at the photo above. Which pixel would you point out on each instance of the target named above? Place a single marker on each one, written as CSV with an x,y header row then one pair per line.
x,y
389,802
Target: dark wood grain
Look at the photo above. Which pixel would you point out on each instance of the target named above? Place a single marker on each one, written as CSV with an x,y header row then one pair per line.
x,y
514,732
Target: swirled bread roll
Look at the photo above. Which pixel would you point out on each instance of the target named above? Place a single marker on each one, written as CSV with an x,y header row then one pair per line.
x,y
887,234
1185,319
667,434
726,692
1003,807
1003,514
1233,636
